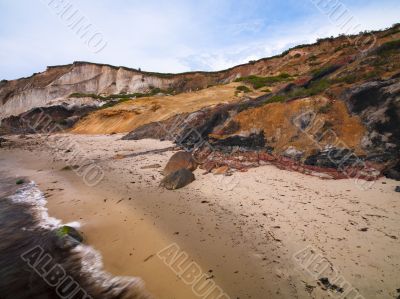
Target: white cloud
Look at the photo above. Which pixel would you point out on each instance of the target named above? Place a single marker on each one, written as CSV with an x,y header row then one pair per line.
x,y
174,36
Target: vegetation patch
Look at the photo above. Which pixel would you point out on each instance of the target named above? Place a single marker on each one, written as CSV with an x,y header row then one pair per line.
x,y
312,58
326,108
323,71
353,78
243,88
275,99
153,92
259,82
86,95
389,48
114,99
315,88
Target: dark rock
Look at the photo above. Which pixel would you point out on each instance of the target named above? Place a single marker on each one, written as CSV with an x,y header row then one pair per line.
x,y
324,281
254,140
397,189
151,166
182,128
377,104
333,158
44,120
393,172
381,157
177,179
178,161
2,140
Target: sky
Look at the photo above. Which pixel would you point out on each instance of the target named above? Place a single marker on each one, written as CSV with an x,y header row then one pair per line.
x,y
175,35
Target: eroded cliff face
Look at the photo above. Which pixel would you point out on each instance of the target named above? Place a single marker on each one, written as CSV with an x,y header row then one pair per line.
x,y
57,83
306,106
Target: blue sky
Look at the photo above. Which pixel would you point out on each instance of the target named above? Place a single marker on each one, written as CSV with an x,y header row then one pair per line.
x,y
170,36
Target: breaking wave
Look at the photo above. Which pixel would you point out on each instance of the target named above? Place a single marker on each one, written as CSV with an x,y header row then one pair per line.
x,y
31,253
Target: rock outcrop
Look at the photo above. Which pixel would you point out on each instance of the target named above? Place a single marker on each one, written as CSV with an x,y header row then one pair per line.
x,y
378,105
43,120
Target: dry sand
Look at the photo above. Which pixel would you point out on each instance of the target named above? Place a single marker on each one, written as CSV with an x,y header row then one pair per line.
x,y
242,230
129,115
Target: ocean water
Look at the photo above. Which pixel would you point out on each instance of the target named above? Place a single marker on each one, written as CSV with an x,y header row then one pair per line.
x,y
35,262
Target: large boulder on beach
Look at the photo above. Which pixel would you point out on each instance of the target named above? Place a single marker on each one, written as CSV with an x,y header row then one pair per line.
x,y
178,161
177,179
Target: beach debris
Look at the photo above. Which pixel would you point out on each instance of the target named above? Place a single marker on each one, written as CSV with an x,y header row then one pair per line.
x,y
177,179
149,257
210,277
309,288
70,167
324,281
151,166
397,189
20,181
69,231
2,140
221,170
178,161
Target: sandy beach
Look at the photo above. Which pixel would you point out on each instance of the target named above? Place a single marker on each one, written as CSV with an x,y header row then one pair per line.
x,y
248,232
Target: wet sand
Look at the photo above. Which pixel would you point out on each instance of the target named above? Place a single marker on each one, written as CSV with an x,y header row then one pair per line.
x,y
242,230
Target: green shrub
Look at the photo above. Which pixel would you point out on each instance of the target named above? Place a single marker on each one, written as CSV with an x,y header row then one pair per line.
x,y
312,58
341,47
349,79
321,71
266,90
326,108
317,87
243,88
20,181
86,95
63,122
275,99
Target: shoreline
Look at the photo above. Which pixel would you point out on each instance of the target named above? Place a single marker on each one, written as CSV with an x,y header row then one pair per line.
x,y
247,236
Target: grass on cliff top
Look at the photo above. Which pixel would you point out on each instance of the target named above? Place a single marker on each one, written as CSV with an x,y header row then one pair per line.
x,y
259,82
